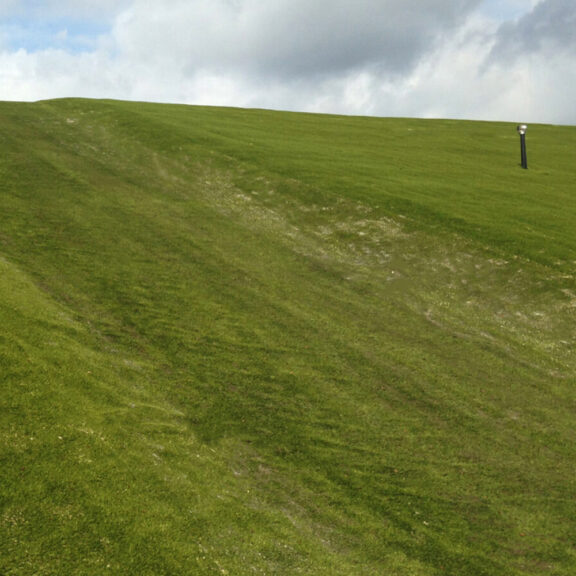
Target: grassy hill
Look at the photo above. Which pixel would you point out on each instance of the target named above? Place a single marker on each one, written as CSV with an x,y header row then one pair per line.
x,y
248,342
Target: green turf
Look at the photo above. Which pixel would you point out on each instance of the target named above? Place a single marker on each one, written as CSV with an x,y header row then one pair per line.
x,y
250,342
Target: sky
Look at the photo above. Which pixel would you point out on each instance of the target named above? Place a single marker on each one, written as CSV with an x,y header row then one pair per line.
x,y
509,60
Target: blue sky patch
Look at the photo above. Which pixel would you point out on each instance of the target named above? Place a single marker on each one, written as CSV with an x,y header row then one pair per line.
x,y
72,36
504,10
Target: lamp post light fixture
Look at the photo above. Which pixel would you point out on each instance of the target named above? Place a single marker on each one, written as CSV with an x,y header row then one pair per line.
x,y
522,131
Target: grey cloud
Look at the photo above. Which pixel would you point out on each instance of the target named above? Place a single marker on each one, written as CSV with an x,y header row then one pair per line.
x,y
305,39
294,39
550,28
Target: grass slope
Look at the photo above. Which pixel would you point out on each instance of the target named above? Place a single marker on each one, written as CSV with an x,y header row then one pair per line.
x,y
251,342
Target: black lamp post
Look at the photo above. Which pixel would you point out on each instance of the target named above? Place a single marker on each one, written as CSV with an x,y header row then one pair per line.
x,y
522,131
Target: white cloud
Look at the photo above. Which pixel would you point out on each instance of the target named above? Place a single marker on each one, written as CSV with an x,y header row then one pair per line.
x,y
441,58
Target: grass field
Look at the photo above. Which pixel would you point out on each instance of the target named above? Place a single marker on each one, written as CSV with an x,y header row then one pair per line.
x,y
249,342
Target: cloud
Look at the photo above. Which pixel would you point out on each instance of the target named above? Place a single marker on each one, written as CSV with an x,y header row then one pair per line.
x,y
291,39
550,28
533,57
484,59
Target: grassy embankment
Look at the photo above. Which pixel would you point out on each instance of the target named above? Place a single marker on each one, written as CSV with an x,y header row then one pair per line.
x,y
248,342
